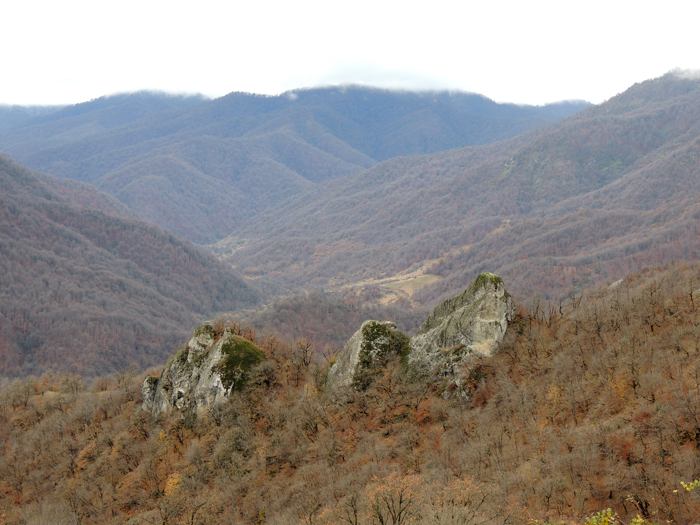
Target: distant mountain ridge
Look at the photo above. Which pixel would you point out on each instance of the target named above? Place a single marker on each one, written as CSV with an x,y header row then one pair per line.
x,y
13,116
84,288
611,189
67,124
205,169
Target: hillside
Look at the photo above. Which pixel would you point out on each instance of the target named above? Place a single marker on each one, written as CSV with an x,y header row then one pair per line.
x,y
325,320
86,289
47,129
611,189
590,404
204,170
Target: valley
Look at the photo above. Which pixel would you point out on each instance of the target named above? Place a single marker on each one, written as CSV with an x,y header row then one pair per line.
x,y
351,305
566,206
220,162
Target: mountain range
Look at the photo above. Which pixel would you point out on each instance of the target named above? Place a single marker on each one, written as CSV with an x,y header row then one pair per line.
x,y
12,117
585,200
587,411
554,210
201,168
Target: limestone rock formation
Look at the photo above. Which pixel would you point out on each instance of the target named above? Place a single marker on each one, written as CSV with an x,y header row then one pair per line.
x,y
203,373
365,354
471,323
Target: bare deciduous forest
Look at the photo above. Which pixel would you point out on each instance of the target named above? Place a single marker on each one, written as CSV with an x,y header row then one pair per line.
x,y
220,162
588,414
607,191
86,290
591,403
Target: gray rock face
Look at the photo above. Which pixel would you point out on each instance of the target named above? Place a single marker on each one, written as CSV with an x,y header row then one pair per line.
x,y
471,323
202,374
364,355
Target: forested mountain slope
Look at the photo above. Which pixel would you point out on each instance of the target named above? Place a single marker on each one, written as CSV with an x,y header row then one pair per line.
x,y
86,289
589,405
204,170
613,188
75,122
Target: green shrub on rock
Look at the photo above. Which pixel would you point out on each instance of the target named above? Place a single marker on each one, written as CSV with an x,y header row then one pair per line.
x,y
239,356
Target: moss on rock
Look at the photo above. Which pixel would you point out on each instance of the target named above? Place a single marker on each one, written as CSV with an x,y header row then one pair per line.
x,y
181,356
204,329
379,342
484,279
238,357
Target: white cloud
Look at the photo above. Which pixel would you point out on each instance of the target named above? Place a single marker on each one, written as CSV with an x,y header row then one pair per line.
x,y
383,77
691,74
526,52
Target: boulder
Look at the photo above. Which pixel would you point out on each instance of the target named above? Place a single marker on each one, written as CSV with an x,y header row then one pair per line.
x,y
202,374
472,323
365,354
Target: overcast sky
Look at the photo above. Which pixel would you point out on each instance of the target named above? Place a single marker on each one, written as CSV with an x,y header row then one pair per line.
x,y
531,52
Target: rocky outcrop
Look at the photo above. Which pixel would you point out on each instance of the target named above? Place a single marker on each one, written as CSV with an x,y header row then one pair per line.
x,y
202,374
212,364
471,323
365,354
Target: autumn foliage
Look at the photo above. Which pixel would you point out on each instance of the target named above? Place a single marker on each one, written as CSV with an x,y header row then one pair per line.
x,y
592,403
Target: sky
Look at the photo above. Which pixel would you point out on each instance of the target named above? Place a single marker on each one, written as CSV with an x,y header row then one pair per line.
x,y
526,52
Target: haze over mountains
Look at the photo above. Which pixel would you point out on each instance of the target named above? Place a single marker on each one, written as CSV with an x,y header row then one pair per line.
x,y
202,168
14,116
611,189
